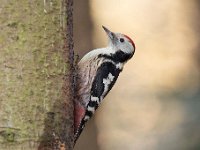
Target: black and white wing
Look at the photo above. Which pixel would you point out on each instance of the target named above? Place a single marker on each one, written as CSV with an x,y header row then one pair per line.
x,y
103,82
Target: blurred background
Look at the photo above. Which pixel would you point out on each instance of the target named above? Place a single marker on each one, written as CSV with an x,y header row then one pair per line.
x,y
155,103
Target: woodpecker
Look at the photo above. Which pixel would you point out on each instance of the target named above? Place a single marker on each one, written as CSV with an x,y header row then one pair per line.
x,y
97,72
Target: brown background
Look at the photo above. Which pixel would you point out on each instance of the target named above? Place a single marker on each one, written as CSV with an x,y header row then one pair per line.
x,y
155,103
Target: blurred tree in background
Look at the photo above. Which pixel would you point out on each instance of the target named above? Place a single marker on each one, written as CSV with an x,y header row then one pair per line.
x,y
83,39
155,103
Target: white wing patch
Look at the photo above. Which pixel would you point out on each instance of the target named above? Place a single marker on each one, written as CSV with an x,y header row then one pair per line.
x,y
119,66
107,82
95,99
86,118
92,109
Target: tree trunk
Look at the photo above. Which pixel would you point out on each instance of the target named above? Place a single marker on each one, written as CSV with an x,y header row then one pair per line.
x,y
36,74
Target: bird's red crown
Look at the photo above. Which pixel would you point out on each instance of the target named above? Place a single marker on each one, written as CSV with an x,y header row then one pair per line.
x,y
130,40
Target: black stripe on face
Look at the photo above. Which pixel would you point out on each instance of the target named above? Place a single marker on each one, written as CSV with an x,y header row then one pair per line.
x,y
119,56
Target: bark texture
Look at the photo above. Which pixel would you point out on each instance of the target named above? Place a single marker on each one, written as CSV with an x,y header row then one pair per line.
x,y
36,108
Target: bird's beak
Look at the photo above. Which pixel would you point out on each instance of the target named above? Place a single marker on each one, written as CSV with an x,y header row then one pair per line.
x,y
110,34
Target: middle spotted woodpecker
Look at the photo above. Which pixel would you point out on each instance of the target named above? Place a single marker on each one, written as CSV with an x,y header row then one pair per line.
x,y
98,71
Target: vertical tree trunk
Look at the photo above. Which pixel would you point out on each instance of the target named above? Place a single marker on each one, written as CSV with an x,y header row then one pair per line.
x,y
36,89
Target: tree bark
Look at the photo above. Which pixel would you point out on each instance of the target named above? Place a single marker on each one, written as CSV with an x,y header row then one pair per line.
x,y
36,74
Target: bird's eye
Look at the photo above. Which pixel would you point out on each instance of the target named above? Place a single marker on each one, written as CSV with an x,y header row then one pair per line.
x,y
121,40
